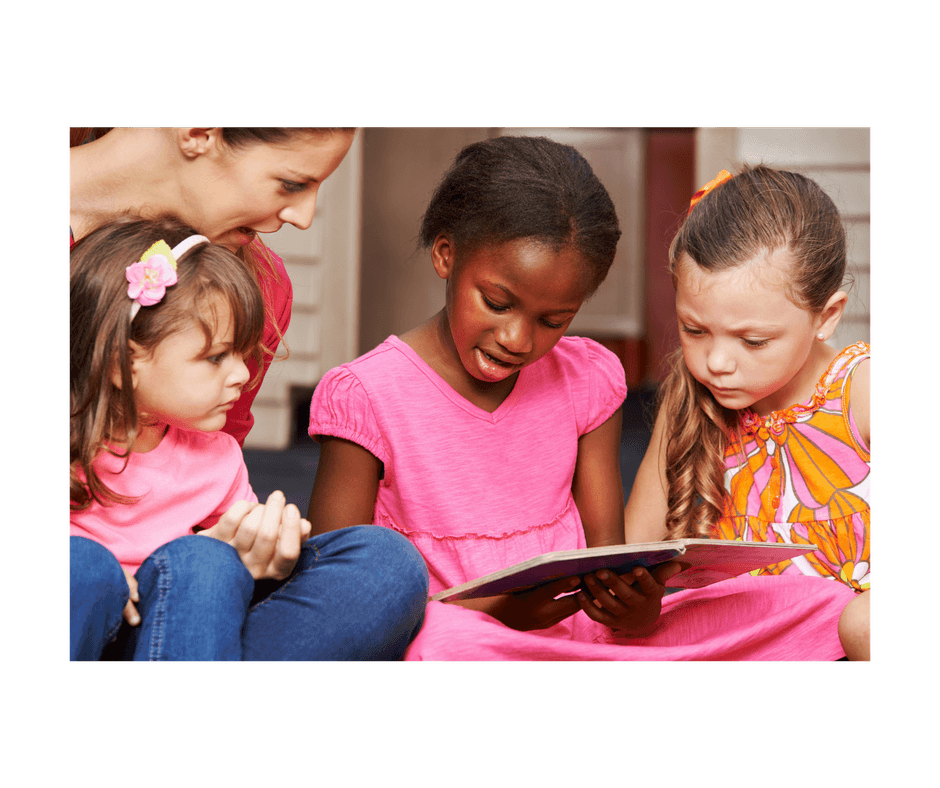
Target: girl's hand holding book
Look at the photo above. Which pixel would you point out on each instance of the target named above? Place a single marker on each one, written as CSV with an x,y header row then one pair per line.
x,y
629,603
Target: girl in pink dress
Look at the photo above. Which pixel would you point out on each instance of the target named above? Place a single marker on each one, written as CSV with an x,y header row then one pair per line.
x,y
763,428
487,437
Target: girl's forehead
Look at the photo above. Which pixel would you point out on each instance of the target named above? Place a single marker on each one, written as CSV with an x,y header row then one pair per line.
x,y
524,261
766,271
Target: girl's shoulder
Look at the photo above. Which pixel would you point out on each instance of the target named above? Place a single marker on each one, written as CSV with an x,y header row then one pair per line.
x,y
854,380
592,375
583,358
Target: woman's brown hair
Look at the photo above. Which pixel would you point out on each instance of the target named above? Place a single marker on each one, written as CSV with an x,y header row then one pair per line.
x,y
102,328
759,211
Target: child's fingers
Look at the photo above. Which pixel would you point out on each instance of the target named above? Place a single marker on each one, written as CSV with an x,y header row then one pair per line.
x,y
612,593
130,611
288,543
227,526
551,590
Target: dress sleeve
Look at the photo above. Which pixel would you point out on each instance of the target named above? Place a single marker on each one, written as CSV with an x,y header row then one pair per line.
x,y
607,386
341,408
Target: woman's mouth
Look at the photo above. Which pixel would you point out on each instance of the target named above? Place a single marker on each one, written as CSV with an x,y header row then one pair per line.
x,y
248,235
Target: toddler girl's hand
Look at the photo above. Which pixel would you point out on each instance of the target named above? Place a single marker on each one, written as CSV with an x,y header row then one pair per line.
x,y
268,536
630,603
131,616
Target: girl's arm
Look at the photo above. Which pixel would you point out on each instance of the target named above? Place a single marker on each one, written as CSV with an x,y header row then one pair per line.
x,y
629,603
645,513
345,487
597,486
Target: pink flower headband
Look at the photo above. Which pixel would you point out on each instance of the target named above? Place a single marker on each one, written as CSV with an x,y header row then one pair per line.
x,y
156,271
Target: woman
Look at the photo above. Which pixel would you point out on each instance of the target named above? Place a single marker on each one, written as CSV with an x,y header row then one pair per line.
x,y
231,184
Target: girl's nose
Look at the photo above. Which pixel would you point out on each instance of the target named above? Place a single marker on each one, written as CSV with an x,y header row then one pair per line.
x,y
516,336
300,214
719,361
239,374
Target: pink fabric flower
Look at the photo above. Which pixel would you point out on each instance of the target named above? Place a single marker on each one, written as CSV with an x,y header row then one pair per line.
x,y
149,279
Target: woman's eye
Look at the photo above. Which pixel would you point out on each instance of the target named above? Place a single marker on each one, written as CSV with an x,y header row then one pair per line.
x,y
691,331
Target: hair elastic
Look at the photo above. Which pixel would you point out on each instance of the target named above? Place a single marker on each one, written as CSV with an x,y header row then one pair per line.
x,y
156,271
719,179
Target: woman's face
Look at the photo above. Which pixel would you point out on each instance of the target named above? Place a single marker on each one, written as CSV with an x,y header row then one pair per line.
x,y
231,193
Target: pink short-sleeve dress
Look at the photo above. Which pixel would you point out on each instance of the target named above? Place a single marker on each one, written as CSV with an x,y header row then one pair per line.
x,y
476,491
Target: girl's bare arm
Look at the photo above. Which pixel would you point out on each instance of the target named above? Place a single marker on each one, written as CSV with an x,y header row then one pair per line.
x,y
345,487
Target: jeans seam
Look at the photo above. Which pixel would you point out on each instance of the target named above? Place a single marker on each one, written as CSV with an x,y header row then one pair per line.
x,y
158,629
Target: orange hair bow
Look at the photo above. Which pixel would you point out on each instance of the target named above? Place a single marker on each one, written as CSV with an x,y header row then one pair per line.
x,y
719,179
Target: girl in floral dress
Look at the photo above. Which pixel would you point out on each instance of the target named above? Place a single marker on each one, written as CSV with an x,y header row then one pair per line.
x,y
763,428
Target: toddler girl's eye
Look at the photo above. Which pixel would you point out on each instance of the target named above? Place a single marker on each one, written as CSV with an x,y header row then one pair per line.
x,y
218,358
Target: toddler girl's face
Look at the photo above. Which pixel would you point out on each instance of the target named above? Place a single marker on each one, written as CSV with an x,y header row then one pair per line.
x,y
742,338
184,384
509,304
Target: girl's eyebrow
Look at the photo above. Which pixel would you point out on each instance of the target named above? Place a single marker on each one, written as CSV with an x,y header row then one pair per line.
x,y
301,176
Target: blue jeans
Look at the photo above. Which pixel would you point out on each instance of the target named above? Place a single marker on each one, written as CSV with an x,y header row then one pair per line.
x,y
356,593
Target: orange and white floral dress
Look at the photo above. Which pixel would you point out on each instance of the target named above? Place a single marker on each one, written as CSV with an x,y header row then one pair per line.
x,y
802,475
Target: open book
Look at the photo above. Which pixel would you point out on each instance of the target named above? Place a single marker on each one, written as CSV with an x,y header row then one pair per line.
x,y
703,561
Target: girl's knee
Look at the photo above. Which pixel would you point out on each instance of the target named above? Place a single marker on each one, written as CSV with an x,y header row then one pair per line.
x,y
193,557
94,570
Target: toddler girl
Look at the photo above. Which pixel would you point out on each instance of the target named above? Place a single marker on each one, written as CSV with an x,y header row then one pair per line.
x,y
158,350
763,428
488,437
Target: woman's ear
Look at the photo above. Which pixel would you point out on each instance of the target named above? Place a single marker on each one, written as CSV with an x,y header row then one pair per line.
x,y
831,314
443,256
196,142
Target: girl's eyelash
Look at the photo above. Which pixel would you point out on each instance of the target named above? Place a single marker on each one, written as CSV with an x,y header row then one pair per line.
x,y
293,186
693,331
498,308
756,342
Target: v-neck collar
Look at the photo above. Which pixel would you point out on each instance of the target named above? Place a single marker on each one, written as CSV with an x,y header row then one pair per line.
x,y
458,399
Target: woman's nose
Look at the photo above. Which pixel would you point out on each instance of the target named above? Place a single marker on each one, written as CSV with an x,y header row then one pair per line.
x,y
300,214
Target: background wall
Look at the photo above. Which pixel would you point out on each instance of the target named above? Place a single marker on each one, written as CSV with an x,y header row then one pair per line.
x,y
358,275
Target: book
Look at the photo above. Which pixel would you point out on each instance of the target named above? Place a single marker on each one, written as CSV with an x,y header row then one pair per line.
x,y
703,561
